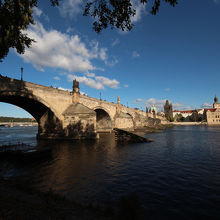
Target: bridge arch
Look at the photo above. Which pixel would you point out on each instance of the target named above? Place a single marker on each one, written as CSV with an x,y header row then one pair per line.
x,y
132,118
104,123
48,122
18,99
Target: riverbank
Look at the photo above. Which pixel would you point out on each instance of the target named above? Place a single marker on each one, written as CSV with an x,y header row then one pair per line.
x,y
188,123
21,124
154,129
19,201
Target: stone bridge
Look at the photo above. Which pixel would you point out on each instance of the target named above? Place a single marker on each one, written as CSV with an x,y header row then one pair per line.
x,y
65,114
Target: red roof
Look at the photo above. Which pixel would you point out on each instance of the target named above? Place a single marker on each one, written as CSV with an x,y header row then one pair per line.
x,y
210,109
191,111
186,111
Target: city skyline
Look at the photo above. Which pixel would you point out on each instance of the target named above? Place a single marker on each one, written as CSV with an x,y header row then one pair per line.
x,y
173,55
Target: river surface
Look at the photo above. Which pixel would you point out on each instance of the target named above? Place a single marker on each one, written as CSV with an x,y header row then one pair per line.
x,y
176,176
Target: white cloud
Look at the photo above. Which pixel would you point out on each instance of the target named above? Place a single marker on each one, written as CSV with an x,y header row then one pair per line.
x,y
206,105
61,88
87,81
140,10
112,83
135,54
103,55
188,108
70,8
115,42
112,61
62,73
160,103
97,82
37,11
68,53
69,30
57,78
216,1
90,74
178,105
139,100
59,50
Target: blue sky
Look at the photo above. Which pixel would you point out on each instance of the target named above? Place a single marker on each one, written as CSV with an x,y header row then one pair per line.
x,y
174,55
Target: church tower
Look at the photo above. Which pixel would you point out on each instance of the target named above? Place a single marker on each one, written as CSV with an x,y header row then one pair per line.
x,y
216,103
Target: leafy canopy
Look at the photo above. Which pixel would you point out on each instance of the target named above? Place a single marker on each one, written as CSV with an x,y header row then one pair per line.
x,y
16,15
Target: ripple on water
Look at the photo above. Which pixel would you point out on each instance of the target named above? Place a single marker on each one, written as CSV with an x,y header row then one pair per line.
x,y
177,175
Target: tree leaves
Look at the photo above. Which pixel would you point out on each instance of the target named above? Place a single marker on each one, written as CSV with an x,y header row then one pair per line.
x,y
116,13
16,15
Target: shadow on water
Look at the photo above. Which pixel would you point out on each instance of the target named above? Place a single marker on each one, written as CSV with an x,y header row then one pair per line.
x,y
176,176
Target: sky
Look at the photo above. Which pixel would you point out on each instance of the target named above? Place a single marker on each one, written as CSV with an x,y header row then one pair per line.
x,y
174,55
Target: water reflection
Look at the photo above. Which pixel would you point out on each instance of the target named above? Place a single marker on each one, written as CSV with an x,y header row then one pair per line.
x,y
177,174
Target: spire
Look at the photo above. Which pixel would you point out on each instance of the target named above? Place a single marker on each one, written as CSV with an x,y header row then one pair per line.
x,y
215,99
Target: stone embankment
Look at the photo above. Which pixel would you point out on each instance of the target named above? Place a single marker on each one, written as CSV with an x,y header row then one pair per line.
x,y
125,136
21,124
189,123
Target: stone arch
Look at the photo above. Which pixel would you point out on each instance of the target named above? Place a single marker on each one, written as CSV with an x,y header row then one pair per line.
x,y
132,118
48,122
104,122
15,95
124,120
104,109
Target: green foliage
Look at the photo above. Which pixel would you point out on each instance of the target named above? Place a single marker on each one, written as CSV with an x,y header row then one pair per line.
x,y
117,13
179,118
17,15
11,119
170,118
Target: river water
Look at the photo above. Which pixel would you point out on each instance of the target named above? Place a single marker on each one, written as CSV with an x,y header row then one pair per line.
x,y
175,176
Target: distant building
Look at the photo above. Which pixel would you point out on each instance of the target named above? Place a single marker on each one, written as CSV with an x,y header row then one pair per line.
x,y
185,114
213,114
153,111
168,111
189,115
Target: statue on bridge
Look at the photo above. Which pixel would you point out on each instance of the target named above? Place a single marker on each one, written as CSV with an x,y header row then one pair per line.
x,y
118,100
76,92
75,86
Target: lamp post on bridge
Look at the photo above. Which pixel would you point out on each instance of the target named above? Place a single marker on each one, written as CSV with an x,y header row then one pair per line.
x,y
22,73
100,96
